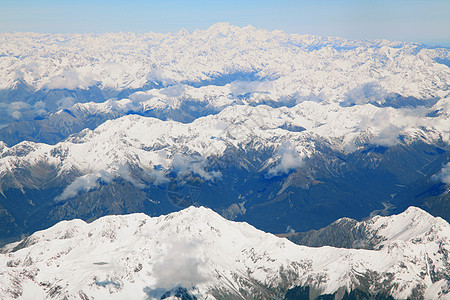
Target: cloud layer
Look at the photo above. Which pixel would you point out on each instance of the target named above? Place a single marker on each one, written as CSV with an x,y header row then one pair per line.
x,y
187,165
69,80
20,110
371,92
443,175
289,160
180,265
85,183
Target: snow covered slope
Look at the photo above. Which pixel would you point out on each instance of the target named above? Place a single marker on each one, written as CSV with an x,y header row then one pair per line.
x,y
204,72
150,143
199,252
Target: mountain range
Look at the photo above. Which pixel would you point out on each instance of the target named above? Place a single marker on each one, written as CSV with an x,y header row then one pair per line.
x,y
318,128
329,142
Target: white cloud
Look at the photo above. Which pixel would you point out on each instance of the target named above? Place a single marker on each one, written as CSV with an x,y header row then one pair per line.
x,y
289,160
244,87
159,76
159,177
126,105
174,91
124,172
289,229
180,265
186,165
443,175
387,124
93,180
385,131
15,109
20,110
39,105
19,105
16,115
370,92
30,69
387,136
65,102
69,80
84,183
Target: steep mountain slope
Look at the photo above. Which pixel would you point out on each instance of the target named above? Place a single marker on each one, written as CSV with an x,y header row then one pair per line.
x,y
179,103
373,233
197,252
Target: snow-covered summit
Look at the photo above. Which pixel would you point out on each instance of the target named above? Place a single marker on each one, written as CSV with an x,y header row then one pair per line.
x,y
138,256
410,226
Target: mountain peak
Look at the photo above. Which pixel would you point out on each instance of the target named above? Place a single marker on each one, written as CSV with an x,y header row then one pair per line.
x,y
183,32
223,28
416,211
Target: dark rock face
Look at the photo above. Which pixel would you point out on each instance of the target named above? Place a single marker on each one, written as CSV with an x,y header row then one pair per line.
x,y
59,125
427,192
53,129
342,234
38,121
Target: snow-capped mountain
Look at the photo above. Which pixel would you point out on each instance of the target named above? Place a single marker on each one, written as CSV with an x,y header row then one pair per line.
x,y
197,252
150,142
283,131
296,147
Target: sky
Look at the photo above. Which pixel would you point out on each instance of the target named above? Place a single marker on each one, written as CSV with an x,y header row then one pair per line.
x,y
426,21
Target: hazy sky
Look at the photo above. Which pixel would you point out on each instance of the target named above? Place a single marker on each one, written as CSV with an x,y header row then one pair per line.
x,y
426,21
